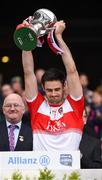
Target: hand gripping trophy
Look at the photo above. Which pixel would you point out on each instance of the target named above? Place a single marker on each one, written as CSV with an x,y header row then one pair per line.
x,y
30,33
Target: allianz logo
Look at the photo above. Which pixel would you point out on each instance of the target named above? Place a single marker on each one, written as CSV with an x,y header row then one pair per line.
x,y
21,160
43,160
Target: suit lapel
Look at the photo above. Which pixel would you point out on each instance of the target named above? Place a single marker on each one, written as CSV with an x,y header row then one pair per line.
x,y
4,140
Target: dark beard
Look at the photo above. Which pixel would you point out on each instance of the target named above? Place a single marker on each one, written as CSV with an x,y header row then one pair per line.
x,y
55,101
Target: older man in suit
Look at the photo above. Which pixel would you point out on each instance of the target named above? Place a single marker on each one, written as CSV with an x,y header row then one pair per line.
x,y
15,129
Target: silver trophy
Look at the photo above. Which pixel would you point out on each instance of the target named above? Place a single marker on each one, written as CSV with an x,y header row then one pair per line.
x,y
27,35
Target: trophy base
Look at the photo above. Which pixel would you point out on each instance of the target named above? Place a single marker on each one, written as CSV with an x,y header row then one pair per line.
x,y
25,38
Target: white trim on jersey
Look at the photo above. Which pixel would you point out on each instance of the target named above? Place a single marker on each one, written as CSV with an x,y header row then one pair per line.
x,y
43,109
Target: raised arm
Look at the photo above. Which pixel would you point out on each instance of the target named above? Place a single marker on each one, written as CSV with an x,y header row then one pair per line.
x,y
74,86
31,89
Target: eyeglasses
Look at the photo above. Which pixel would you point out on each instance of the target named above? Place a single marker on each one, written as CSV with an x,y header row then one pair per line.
x,y
16,106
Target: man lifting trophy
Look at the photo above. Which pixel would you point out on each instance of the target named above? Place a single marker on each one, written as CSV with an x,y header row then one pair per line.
x,y
29,34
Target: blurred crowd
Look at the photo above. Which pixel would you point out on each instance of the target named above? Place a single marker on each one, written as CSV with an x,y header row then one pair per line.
x,y
16,85
93,106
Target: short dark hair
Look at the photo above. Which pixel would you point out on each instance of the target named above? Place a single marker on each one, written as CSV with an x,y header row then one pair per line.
x,y
53,74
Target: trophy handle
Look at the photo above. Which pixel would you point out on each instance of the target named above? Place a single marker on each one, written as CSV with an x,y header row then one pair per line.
x,y
49,29
28,20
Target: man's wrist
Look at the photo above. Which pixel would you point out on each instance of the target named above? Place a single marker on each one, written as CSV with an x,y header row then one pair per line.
x,y
58,36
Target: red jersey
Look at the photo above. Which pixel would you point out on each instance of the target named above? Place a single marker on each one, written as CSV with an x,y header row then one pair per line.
x,y
56,127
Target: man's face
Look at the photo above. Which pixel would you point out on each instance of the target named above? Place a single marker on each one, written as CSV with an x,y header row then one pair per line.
x,y
54,92
13,108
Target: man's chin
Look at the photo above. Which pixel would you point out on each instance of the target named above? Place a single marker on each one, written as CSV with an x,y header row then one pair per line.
x,y
13,118
54,101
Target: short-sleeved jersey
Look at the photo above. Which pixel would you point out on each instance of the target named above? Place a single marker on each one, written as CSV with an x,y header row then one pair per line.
x,y
56,127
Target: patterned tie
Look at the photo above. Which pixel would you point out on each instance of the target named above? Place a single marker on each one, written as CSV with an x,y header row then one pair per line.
x,y
12,137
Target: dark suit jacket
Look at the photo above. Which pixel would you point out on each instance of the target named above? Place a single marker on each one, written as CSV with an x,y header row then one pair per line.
x,y
90,147
25,132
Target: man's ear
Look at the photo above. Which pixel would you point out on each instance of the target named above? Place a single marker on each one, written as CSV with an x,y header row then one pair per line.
x,y
65,83
66,89
3,110
24,109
